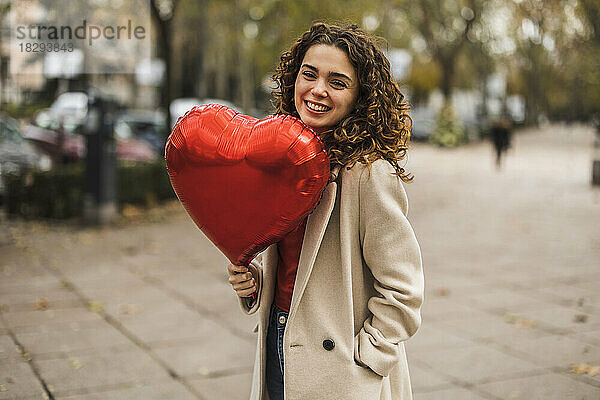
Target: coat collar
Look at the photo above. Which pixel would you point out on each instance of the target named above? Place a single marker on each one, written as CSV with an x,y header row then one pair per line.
x,y
315,230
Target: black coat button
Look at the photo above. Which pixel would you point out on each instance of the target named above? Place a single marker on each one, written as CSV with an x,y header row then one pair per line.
x,y
328,344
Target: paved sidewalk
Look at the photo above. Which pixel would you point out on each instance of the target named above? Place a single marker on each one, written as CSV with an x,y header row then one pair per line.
x,y
144,311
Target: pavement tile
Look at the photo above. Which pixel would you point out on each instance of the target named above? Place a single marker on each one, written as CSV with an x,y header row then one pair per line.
x,y
28,300
8,351
218,352
48,319
98,370
424,379
592,337
476,363
215,292
454,393
134,302
444,307
502,299
72,339
547,387
590,284
557,351
232,387
571,296
432,337
180,323
243,324
19,381
217,296
454,283
489,327
563,318
169,390
30,285
113,279
464,312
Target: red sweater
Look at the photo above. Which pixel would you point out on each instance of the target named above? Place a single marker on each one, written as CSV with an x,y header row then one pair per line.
x,y
288,250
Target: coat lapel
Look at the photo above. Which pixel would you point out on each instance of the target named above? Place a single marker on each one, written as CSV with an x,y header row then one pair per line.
x,y
315,230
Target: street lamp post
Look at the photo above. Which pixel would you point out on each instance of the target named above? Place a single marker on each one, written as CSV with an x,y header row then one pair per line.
x,y
100,188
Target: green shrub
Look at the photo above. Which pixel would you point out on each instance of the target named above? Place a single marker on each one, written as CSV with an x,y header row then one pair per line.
x,y
59,193
448,130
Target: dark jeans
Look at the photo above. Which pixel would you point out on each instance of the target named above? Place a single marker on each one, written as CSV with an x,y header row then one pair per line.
x,y
274,367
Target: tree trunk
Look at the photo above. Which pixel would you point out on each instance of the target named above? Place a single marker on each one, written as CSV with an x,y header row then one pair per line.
x,y
164,52
244,72
447,64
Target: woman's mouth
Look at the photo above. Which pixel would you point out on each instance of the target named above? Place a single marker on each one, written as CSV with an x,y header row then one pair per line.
x,y
316,107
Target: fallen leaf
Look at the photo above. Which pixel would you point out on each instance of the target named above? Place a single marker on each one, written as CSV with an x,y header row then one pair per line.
x,y
41,304
584,369
75,363
527,324
3,388
129,309
510,318
580,318
10,380
130,211
95,306
130,250
25,355
514,319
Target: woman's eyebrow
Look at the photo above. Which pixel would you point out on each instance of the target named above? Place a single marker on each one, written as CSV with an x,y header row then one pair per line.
x,y
336,74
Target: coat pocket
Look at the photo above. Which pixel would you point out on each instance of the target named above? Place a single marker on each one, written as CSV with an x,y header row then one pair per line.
x,y
369,382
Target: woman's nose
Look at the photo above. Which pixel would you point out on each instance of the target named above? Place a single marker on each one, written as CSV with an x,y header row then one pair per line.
x,y
319,89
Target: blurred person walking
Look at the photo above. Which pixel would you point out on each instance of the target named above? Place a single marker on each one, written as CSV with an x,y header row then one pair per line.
x,y
339,295
501,132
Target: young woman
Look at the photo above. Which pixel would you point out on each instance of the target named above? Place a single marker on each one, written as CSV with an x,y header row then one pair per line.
x,y
339,295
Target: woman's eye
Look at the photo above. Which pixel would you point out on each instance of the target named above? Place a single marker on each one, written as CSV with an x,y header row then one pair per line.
x,y
338,84
308,74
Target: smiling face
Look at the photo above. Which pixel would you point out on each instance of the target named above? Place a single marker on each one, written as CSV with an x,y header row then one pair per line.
x,y
326,87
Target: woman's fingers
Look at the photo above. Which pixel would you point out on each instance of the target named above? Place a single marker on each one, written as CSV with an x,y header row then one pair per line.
x,y
241,280
243,285
236,269
246,292
240,277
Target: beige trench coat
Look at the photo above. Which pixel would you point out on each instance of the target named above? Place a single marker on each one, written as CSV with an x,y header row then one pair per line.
x,y
359,283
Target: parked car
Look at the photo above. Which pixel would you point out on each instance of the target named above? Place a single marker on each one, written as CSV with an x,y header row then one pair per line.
x,y
145,125
64,146
179,107
69,110
60,145
15,152
423,123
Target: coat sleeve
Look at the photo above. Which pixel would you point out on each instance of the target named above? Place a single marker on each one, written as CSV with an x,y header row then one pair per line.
x,y
392,254
248,304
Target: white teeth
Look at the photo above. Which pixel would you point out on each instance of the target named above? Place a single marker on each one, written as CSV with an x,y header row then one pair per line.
x,y
316,107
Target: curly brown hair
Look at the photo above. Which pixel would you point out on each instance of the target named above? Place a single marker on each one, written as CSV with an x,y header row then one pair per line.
x,y
379,125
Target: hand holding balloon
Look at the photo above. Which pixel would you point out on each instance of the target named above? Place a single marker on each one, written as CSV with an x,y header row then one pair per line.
x,y
243,279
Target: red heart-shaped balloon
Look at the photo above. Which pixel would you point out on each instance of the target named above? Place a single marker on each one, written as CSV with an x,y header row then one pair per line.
x,y
245,182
